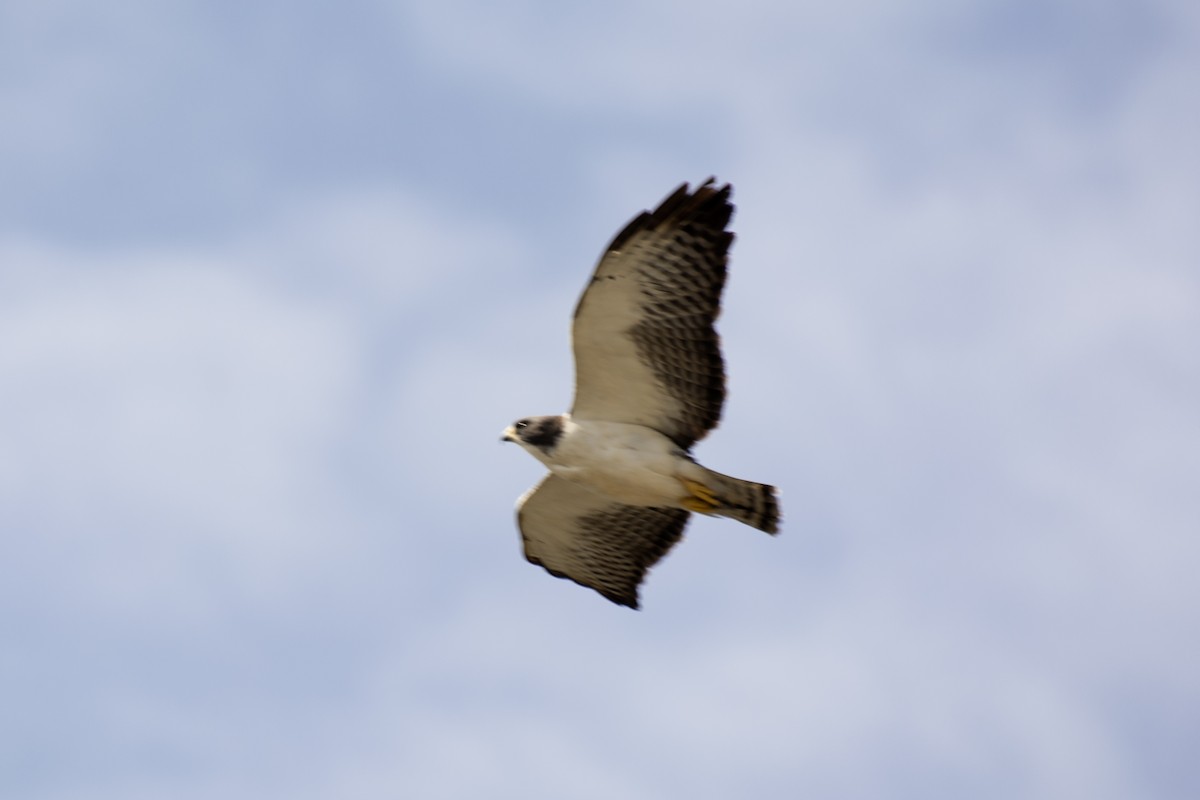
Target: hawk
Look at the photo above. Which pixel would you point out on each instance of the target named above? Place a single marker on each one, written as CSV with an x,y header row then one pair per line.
x,y
649,384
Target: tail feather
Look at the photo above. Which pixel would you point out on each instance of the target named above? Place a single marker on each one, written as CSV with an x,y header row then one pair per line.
x,y
752,503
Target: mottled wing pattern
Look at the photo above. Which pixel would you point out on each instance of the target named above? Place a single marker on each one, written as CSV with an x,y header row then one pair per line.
x,y
645,348
607,546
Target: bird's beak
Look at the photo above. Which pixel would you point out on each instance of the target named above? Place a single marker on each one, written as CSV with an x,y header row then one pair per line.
x,y
508,435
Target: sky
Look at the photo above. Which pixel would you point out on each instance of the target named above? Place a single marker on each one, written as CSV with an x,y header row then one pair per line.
x,y
274,276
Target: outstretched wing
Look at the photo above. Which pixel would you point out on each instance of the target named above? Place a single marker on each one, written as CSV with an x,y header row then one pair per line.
x,y
645,349
607,546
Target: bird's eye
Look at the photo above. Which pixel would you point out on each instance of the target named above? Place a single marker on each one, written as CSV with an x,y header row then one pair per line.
x,y
521,423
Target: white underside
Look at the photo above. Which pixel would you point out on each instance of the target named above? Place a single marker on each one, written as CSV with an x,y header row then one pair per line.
x,y
631,464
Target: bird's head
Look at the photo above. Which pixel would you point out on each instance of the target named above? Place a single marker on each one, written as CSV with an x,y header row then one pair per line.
x,y
535,433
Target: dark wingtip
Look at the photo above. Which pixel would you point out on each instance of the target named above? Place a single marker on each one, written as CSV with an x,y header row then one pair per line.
x,y
681,196
627,599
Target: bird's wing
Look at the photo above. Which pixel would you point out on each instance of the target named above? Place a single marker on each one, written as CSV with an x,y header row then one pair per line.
x,y
645,348
575,533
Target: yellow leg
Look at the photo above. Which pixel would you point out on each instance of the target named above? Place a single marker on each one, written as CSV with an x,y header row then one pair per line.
x,y
699,498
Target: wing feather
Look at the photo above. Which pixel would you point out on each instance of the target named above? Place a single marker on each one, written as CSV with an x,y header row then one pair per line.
x,y
577,534
646,351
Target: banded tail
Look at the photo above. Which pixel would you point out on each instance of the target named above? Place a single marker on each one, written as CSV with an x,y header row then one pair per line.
x,y
752,503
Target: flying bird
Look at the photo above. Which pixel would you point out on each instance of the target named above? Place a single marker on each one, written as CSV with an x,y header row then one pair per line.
x,y
649,384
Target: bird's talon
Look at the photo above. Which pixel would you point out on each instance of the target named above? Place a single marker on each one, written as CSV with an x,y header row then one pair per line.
x,y
700,498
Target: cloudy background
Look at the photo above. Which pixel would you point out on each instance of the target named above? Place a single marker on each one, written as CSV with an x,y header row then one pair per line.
x,y
273,276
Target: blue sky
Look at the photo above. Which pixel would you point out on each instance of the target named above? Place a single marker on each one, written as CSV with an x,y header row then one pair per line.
x,y
274,276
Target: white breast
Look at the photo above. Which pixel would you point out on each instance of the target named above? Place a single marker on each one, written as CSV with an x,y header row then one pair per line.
x,y
629,463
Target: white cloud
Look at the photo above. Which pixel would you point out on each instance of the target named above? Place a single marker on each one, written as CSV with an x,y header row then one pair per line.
x,y
207,403
162,404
